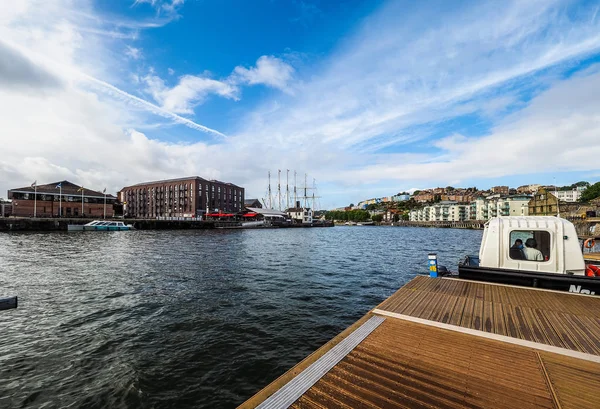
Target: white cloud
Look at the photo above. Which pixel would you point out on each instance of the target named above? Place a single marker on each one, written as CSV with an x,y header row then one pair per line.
x,y
189,92
192,90
269,70
134,53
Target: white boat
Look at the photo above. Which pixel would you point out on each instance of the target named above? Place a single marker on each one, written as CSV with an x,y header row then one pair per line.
x,y
100,225
550,258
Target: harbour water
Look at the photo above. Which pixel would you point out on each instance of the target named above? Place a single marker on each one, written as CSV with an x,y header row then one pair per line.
x,y
182,319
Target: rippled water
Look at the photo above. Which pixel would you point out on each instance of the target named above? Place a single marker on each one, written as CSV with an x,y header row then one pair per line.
x,y
176,319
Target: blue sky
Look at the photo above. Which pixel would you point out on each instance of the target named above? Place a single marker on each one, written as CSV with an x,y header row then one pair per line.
x,y
369,98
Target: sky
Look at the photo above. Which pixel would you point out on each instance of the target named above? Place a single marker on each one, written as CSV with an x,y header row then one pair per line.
x,y
368,98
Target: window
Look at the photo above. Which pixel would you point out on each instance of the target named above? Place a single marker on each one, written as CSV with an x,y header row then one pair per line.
x,y
529,245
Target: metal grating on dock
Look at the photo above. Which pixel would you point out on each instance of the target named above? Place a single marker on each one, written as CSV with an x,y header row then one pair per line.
x,y
452,343
287,395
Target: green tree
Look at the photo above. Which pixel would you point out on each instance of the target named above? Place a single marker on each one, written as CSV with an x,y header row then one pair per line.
x,y
377,218
591,192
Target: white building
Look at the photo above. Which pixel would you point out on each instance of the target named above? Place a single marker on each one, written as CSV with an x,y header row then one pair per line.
x,y
568,195
443,211
479,209
301,215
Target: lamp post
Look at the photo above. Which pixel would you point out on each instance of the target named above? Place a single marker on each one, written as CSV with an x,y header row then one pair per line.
x,y
34,186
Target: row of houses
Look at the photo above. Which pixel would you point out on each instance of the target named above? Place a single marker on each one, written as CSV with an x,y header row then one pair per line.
x,y
462,195
479,209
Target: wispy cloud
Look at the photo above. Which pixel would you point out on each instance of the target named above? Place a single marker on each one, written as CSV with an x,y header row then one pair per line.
x,y
190,91
133,53
269,70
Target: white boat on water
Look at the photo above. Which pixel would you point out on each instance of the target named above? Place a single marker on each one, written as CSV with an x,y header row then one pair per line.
x,y
100,225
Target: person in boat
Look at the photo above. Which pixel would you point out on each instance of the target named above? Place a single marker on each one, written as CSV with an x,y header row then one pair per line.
x,y
531,252
516,251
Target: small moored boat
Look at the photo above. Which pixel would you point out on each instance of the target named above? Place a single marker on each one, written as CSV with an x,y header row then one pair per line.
x,y
100,225
533,251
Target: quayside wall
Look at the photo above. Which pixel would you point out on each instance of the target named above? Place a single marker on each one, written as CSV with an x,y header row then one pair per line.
x,y
466,224
55,224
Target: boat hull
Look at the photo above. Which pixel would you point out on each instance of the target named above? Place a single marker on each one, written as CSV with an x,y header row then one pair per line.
x,y
549,281
79,227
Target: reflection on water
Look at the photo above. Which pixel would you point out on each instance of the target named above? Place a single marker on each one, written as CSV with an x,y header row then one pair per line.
x,y
190,318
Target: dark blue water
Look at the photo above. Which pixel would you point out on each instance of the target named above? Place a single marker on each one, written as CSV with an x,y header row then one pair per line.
x,y
182,319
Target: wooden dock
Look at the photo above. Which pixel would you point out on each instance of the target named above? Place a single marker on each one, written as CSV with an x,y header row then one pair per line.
x,y
450,343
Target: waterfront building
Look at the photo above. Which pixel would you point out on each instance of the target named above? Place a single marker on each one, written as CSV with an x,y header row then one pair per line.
x,y
442,211
49,200
479,209
543,203
300,215
184,197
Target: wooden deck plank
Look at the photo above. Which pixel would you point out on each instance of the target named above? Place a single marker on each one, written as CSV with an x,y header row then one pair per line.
x,y
562,320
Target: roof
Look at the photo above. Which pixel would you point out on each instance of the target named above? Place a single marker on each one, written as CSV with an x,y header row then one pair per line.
x,y
181,180
528,222
298,209
67,188
266,212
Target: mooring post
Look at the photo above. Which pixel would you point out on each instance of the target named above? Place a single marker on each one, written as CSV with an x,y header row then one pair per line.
x,y
433,267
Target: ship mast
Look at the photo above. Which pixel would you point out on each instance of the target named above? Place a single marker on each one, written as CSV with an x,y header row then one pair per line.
x,y
270,195
279,187
295,193
305,187
313,194
287,189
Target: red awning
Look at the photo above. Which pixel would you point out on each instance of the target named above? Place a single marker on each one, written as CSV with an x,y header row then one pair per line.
x,y
250,215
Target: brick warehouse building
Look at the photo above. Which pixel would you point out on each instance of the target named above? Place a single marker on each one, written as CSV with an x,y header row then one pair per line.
x,y
185,197
50,199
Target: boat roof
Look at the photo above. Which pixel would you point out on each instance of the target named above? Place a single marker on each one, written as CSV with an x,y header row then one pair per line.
x,y
528,222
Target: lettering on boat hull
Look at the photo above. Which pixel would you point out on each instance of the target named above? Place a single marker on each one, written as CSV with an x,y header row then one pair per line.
x,y
577,289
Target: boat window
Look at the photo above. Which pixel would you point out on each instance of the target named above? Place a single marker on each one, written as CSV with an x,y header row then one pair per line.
x,y
530,245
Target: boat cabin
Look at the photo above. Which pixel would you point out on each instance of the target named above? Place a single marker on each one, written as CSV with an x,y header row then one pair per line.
x,y
534,251
533,243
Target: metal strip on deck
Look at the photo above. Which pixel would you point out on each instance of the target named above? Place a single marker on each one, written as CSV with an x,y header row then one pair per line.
x,y
561,320
294,389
